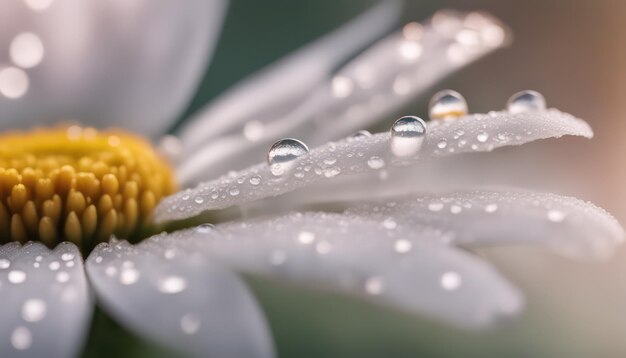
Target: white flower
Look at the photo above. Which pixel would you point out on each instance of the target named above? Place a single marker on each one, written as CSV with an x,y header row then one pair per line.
x,y
106,63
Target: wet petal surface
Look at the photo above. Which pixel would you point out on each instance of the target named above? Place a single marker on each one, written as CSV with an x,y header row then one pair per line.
x,y
46,306
469,134
377,260
183,301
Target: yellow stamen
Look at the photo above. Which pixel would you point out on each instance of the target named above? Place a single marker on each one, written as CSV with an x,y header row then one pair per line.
x,y
78,184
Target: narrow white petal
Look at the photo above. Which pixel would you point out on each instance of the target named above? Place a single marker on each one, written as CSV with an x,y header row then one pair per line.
x,y
182,301
46,306
480,218
279,88
375,84
376,260
473,133
131,64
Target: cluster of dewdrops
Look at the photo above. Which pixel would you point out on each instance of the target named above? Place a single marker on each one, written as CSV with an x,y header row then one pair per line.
x,y
407,133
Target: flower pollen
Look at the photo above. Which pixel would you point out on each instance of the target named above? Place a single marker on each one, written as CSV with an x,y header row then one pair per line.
x,y
78,184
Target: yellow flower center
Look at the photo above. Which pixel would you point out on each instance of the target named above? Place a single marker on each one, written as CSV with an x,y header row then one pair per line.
x,y
78,184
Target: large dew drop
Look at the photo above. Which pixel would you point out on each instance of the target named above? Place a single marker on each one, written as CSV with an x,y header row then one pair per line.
x,y
283,153
447,104
407,136
526,101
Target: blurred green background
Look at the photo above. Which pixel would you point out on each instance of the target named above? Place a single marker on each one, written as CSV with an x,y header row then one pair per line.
x,y
574,53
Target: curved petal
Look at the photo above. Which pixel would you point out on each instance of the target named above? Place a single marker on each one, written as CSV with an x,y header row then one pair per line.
x,y
46,306
480,217
273,91
185,302
371,86
406,269
473,133
116,63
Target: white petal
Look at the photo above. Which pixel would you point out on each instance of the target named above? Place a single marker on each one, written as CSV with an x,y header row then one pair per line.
x,y
116,63
473,133
183,301
375,84
479,218
407,269
46,306
280,87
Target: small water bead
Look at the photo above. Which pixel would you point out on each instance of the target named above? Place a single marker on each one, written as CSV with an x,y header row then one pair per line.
x,y
4,263
233,191
34,310
255,180
482,137
67,256
359,135
21,338
556,216
455,209
435,206
491,208
172,284
205,228
442,144
129,276
450,281
447,104
198,199
407,136
17,276
62,277
390,224
375,162
526,101
189,324
402,246
306,237
283,153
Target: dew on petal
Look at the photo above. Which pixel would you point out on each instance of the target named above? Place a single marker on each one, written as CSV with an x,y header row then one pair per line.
x,y
407,136
129,276
360,134
13,82
34,310
526,101
4,264
26,50
255,180
342,86
435,206
17,276
491,208
283,153
402,246
172,284
447,104
482,137
450,281
62,277
375,162
556,216
21,338
306,237
205,228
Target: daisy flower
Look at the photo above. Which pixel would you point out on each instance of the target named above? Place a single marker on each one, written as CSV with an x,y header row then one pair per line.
x,y
345,215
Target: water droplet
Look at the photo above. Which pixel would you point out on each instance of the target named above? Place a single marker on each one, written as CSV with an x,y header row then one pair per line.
x,y
442,144
62,277
189,324
233,191
407,136
34,310
342,86
455,209
359,135
4,264
390,224
482,137
21,338
205,228
26,50
255,180
306,237
129,276
491,208
556,216
375,162
435,206
198,199
450,281
374,285
67,256
283,153
402,246
412,31
447,104
526,101
172,284
17,276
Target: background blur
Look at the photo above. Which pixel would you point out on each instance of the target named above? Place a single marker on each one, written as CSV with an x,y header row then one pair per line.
x,y
571,51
